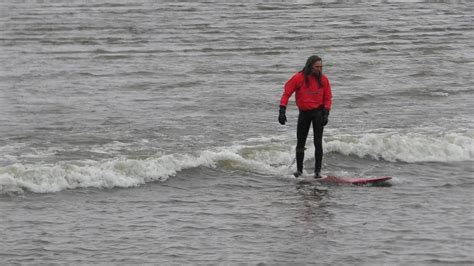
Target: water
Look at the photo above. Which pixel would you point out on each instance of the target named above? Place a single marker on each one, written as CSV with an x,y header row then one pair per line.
x,y
142,132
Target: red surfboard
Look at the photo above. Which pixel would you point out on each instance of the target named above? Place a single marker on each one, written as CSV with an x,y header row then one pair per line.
x,y
347,180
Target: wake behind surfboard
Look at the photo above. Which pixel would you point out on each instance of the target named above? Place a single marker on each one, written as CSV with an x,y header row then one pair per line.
x,y
346,180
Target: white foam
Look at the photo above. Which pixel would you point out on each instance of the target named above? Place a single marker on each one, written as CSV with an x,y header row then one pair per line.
x,y
408,148
266,155
131,172
104,174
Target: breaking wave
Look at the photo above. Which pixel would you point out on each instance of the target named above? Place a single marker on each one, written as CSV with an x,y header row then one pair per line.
x,y
266,155
409,148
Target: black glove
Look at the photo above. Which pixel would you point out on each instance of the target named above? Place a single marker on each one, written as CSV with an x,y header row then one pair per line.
x,y
282,116
325,116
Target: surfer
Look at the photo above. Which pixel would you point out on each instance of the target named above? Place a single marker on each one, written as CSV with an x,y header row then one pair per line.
x,y
314,99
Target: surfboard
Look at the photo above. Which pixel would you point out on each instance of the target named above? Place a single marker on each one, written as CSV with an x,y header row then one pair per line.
x,y
345,180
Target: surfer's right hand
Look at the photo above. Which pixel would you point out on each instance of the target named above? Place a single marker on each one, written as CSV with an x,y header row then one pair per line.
x,y
282,116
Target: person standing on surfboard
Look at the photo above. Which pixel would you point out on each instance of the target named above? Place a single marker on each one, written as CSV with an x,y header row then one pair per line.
x,y
314,100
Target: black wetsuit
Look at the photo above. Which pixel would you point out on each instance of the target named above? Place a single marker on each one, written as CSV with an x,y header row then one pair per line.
x,y
305,119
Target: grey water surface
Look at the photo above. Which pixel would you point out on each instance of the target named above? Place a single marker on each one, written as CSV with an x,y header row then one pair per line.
x,y
146,132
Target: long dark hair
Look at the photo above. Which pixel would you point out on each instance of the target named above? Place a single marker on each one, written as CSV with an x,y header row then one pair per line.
x,y
308,69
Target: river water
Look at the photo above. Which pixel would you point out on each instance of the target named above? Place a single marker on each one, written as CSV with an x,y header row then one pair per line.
x,y
146,132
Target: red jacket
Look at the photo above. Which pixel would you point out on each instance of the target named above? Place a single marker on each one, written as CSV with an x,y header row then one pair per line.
x,y
308,96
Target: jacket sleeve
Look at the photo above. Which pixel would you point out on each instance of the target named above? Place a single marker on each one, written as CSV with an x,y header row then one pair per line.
x,y
290,87
327,100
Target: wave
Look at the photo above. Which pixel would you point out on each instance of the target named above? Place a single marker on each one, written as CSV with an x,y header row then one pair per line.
x,y
265,155
410,148
104,174
121,172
